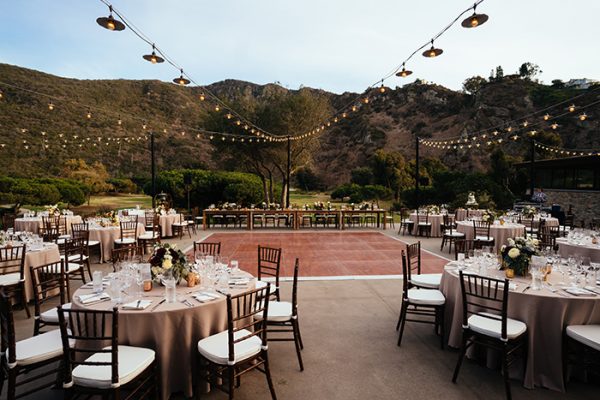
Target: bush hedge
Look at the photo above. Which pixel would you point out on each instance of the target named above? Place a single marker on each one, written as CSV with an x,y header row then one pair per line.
x,y
208,187
357,193
39,192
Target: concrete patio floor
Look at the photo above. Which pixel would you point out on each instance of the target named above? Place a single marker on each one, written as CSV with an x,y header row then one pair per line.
x,y
348,328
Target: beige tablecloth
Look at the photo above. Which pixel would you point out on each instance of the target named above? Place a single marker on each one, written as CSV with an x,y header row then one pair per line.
x,y
461,213
49,254
107,236
436,221
34,224
500,233
566,249
166,223
173,331
546,315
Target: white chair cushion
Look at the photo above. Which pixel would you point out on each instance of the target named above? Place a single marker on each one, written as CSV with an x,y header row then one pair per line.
x,y
426,297
39,348
263,284
51,316
425,223
75,257
429,281
454,234
71,267
125,241
484,238
279,311
10,279
132,362
92,243
179,224
493,327
216,347
149,235
586,334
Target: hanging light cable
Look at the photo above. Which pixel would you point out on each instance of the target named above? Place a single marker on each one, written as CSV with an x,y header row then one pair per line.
x,y
432,52
404,73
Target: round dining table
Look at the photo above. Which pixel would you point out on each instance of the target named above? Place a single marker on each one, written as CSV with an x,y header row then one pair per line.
x,y
583,248
172,330
500,233
34,224
107,235
463,214
436,221
546,312
166,224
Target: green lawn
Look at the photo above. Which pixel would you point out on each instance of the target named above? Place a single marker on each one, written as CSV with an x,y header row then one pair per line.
x,y
115,201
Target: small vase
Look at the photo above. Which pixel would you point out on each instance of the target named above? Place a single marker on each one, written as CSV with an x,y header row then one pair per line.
x,y
509,272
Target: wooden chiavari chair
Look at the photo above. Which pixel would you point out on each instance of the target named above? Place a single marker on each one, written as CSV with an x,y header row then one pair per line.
x,y
149,238
90,368
128,233
75,261
12,274
181,226
405,223
481,232
49,230
449,235
420,302
82,230
485,321
269,265
282,317
413,257
8,222
125,253
568,225
210,248
581,347
465,245
243,346
49,283
27,362
423,224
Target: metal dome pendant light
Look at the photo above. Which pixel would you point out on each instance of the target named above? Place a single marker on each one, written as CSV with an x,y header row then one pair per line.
x,y
432,52
153,58
404,72
474,20
110,22
181,80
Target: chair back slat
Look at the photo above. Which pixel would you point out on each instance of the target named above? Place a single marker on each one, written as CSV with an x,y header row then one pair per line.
x,y
210,248
413,255
129,229
48,283
295,288
269,262
7,329
125,253
92,330
406,276
481,228
486,297
12,260
8,221
241,312
464,245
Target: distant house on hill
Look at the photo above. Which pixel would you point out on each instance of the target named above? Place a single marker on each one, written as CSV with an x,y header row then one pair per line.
x,y
582,83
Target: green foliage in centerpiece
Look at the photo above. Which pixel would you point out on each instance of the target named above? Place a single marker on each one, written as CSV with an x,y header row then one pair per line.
x,y
517,254
167,258
529,211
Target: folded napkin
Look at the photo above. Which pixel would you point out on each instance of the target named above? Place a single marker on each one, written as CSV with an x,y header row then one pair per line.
x,y
203,297
575,291
137,305
593,289
239,282
92,298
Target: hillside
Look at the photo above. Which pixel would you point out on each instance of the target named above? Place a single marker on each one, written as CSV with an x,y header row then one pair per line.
x,y
390,122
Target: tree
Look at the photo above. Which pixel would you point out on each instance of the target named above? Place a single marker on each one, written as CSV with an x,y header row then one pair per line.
x,y
499,73
361,176
558,84
529,70
307,180
93,176
389,170
473,84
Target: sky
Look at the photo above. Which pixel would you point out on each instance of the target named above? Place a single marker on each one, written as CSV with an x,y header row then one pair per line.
x,y
335,45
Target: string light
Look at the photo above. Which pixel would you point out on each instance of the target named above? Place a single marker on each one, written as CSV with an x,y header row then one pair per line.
x,y
583,117
474,20
432,52
88,114
571,108
181,80
546,117
110,22
153,58
50,106
404,72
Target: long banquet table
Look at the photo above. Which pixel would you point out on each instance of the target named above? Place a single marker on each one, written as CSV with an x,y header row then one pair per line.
x,y
172,330
295,215
546,314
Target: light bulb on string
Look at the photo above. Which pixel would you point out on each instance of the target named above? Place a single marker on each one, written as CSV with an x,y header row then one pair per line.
x,y
110,22
404,72
1,95
217,108
382,88
153,58
181,81
88,114
50,106
474,20
228,116
546,117
432,52
583,117
571,108
119,122
554,125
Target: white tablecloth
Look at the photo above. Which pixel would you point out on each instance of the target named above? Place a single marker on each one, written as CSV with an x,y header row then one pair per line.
x,y
107,236
566,248
34,224
500,233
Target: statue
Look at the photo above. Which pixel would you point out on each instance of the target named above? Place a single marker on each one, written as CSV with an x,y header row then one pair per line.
x,y
471,202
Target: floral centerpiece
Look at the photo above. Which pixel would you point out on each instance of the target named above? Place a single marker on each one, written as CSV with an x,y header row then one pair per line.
x,y
318,205
529,211
161,210
53,209
167,258
517,255
432,209
488,216
110,218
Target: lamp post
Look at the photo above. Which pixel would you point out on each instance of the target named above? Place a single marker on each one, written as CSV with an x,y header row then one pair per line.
x,y
417,171
532,168
289,167
152,169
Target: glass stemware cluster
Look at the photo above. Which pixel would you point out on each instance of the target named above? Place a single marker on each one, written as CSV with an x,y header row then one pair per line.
x,y
214,270
128,279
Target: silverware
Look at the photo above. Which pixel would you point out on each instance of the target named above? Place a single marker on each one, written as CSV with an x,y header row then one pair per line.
x,y
526,288
187,303
137,305
157,304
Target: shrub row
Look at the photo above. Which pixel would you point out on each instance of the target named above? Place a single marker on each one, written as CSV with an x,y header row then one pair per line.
x,y
39,192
